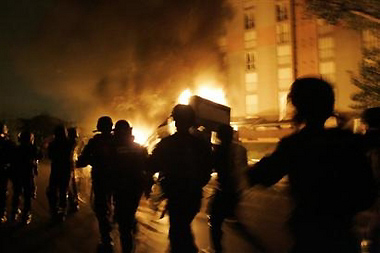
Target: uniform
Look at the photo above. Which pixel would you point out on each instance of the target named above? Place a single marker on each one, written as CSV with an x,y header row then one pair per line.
x,y
128,181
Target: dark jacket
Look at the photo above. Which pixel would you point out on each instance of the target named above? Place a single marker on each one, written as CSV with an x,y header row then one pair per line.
x,y
328,172
184,163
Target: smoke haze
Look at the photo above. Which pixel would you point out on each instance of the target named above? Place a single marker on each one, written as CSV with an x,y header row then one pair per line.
x,y
127,59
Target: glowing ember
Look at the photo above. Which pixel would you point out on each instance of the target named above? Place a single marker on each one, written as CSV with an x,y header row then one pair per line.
x,y
141,135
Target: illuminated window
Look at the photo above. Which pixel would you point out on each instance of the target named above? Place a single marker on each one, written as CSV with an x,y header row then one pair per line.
x,y
250,39
250,58
251,81
282,104
327,70
281,12
283,33
285,78
252,104
284,55
326,47
249,19
370,40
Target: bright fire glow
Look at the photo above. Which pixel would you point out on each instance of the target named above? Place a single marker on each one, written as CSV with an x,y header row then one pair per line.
x,y
141,135
216,95
184,98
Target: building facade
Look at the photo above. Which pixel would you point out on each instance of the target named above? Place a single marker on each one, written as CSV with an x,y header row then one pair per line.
x,y
269,43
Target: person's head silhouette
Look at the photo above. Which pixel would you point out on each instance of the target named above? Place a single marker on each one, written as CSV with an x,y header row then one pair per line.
x,y
313,100
184,117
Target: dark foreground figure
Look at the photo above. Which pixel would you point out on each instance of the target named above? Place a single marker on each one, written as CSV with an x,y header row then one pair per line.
x,y
230,162
59,152
184,163
97,153
328,171
6,153
371,118
24,170
128,181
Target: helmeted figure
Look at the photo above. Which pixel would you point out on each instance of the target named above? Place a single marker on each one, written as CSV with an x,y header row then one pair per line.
x,y
98,154
59,152
230,162
24,171
329,175
6,154
129,176
184,164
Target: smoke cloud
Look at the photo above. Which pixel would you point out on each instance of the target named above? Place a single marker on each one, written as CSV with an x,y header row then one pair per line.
x,y
128,59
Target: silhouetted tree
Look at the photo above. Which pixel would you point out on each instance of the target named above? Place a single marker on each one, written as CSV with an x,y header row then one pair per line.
x,y
368,81
358,14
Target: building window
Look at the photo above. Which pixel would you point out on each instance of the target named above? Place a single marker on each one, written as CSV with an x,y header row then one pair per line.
x,y
250,39
252,104
285,78
282,104
250,58
370,40
249,19
251,81
283,33
281,12
327,70
284,55
326,47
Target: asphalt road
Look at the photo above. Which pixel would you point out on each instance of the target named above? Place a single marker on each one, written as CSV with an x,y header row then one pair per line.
x,y
79,233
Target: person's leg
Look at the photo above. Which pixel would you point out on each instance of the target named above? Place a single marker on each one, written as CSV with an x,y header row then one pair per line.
x,y
3,195
126,204
217,216
51,193
28,195
181,214
102,212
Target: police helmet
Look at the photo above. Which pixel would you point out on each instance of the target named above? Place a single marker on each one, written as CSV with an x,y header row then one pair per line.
x,y
104,124
26,137
122,126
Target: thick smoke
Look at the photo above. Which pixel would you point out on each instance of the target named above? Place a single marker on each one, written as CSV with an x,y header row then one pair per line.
x,y
129,59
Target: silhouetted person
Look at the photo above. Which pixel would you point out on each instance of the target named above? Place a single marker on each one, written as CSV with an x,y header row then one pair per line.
x,y
371,118
329,175
98,154
128,180
184,164
59,152
230,162
6,153
73,137
24,170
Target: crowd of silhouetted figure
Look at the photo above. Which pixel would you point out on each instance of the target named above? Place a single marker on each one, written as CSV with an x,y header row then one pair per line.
x,y
333,175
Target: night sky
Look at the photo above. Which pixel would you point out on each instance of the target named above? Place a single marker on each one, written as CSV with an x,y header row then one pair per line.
x,y
80,59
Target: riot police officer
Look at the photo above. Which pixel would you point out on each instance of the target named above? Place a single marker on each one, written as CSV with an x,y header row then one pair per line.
x,y
6,152
24,170
59,152
97,153
128,180
184,163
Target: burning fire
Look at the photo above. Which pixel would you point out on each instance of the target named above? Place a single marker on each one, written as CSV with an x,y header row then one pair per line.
x,y
216,95
141,135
